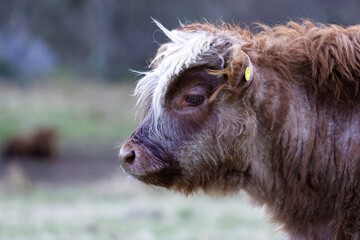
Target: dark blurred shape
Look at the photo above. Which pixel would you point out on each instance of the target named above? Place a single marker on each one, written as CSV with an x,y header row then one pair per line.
x,y
104,39
41,144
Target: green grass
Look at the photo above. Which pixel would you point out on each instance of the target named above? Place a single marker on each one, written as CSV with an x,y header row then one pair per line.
x,y
113,209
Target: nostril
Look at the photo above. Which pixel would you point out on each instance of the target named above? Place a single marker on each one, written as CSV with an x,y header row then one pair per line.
x,y
129,157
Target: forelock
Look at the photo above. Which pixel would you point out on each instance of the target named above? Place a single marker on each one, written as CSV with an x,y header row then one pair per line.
x,y
186,49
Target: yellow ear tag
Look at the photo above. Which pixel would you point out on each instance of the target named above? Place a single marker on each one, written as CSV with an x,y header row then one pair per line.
x,y
247,73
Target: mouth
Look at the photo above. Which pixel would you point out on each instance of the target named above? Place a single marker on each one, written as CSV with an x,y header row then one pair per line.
x,y
165,177
153,172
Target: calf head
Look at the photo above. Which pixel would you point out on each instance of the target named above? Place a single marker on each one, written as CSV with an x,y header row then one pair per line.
x,y
198,127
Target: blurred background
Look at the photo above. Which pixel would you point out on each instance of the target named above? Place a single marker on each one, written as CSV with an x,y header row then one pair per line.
x,y
65,104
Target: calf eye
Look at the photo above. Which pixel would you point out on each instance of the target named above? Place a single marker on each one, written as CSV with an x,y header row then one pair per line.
x,y
194,100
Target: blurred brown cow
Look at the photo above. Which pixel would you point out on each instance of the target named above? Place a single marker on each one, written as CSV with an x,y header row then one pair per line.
x,y
39,144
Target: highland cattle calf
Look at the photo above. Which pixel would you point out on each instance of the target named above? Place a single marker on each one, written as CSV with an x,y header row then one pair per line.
x,y
275,113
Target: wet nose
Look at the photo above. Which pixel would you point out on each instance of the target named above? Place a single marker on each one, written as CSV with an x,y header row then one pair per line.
x,y
127,156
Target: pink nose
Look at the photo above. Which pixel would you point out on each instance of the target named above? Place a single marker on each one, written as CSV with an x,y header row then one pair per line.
x,y
127,157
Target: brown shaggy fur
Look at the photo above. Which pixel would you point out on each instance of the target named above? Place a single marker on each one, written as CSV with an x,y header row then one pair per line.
x,y
290,137
40,144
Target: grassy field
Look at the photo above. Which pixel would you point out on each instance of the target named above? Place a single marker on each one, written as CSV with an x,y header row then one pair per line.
x,y
114,209
86,195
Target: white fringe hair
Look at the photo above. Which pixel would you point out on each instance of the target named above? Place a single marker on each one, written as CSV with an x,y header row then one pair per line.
x,y
185,50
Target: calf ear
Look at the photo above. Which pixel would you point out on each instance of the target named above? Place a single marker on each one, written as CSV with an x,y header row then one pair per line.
x,y
239,67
